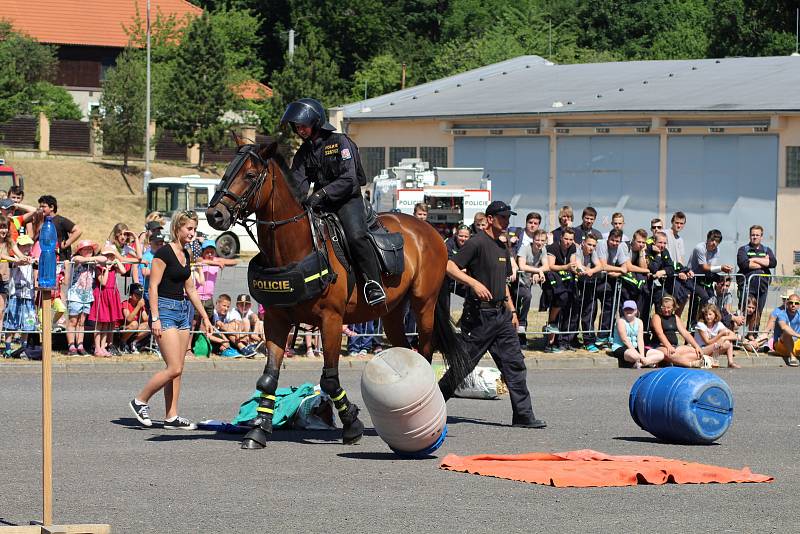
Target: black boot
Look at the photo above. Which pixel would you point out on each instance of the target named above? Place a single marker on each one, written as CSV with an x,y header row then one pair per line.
x,y
262,424
353,428
374,293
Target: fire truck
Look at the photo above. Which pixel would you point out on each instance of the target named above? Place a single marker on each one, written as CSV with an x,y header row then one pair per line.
x,y
453,194
8,177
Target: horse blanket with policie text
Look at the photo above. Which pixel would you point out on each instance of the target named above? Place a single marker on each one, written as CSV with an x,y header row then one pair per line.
x,y
290,284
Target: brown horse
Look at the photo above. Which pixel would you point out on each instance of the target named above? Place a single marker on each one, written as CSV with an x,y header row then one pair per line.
x,y
255,182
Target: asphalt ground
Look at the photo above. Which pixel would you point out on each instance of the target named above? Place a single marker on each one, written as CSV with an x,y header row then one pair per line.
x,y
108,470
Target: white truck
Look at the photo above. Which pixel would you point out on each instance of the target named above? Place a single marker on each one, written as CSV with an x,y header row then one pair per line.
x,y
453,194
192,192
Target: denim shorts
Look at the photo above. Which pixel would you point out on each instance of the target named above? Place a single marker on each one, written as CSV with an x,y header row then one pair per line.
x,y
173,313
76,307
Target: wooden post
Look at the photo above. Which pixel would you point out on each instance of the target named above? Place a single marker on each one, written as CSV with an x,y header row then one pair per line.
x,y
47,411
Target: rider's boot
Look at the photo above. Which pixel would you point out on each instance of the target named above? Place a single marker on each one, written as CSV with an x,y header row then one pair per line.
x,y
353,428
373,292
262,424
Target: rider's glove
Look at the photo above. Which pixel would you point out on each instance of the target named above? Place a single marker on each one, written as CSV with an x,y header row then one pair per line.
x,y
314,200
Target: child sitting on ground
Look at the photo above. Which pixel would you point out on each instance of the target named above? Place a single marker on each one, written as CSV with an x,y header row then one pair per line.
x,y
628,340
21,313
135,319
710,332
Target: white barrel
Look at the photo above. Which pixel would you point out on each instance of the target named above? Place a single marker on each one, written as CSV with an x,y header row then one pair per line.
x,y
402,396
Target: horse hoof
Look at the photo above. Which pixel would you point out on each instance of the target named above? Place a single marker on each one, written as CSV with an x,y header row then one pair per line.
x,y
353,432
255,439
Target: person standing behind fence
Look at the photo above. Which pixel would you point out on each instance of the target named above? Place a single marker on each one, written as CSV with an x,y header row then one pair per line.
x,y
170,286
106,309
560,287
584,307
617,223
705,261
613,256
675,243
210,267
489,320
21,314
586,227
634,280
68,232
80,294
755,259
565,218
533,268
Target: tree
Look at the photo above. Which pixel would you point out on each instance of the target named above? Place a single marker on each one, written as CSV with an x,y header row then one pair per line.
x,y
380,75
198,94
23,64
123,105
309,73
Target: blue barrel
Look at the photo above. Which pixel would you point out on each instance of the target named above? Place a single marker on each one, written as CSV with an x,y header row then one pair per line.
x,y
682,405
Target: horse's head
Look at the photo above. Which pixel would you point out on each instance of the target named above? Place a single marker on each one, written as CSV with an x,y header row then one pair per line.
x,y
242,186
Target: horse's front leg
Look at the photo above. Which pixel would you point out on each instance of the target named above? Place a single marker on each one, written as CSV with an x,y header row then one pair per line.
x,y
331,330
267,383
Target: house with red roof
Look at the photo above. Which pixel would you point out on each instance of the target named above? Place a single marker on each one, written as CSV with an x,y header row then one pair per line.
x,y
90,34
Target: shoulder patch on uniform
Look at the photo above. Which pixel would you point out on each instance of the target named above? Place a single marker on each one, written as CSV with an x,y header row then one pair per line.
x,y
346,153
332,149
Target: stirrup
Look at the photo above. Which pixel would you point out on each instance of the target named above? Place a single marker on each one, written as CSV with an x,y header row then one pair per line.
x,y
368,285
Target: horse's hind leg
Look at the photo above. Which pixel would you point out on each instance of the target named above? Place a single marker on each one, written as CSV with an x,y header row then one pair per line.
x,y
352,427
424,310
266,384
394,327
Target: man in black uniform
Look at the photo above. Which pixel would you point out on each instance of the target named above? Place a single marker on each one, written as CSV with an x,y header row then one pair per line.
x,y
331,162
489,321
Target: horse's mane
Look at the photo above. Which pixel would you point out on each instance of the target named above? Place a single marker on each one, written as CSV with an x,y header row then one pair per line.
x,y
275,151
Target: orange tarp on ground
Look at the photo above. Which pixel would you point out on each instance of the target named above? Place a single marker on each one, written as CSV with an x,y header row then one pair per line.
x,y
590,469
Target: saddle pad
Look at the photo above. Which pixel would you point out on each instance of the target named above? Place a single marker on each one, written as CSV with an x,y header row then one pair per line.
x,y
591,469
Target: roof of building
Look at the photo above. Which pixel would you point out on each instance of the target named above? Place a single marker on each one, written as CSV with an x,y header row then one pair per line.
x,y
531,85
253,90
86,22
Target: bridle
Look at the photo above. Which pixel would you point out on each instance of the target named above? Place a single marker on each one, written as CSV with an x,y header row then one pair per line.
x,y
240,202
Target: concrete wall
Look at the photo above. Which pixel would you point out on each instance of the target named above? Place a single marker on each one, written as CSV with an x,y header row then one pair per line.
x,y
435,132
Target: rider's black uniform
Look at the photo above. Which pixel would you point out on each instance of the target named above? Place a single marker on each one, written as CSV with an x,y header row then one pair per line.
x,y
331,162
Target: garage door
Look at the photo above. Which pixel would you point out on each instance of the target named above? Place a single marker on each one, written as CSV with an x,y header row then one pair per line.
x,y
725,182
518,167
610,173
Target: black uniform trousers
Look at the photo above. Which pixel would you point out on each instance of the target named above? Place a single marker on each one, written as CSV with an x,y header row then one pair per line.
x,y
351,215
490,329
607,317
584,309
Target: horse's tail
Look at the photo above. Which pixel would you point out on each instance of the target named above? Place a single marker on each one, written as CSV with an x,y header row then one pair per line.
x,y
447,341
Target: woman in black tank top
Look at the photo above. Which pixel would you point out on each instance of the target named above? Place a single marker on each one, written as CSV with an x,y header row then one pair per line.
x,y
666,326
169,288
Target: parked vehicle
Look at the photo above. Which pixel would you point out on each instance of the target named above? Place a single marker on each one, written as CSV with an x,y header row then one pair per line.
x,y
8,177
193,192
453,194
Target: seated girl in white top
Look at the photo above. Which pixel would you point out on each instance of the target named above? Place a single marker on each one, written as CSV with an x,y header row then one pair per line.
x,y
710,332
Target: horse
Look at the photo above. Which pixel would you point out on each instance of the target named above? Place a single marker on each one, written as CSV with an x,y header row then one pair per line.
x,y
255,183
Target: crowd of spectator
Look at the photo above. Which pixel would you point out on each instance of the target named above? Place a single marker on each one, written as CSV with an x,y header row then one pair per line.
x,y
646,297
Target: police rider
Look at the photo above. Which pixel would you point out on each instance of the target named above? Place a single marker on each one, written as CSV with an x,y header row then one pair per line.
x,y
331,162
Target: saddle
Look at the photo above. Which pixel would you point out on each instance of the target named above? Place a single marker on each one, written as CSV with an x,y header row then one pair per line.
x,y
388,246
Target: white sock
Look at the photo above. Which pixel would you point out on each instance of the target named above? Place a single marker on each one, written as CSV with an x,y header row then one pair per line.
x,y
171,419
138,402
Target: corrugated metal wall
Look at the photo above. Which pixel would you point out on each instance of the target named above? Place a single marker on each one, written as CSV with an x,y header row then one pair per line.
x,y
169,149
519,168
612,174
727,182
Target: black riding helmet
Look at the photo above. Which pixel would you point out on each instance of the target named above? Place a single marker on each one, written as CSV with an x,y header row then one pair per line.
x,y
308,112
